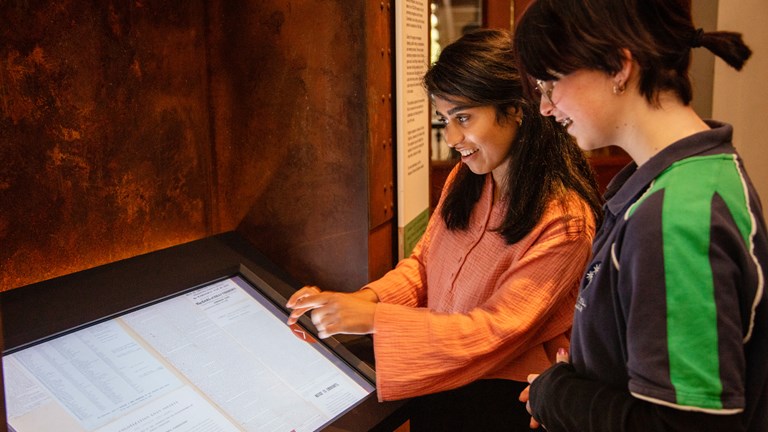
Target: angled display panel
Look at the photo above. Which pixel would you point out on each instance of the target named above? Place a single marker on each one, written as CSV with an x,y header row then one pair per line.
x,y
216,357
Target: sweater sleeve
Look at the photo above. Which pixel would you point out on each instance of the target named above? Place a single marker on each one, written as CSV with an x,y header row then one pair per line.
x,y
563,400
419,351
406,284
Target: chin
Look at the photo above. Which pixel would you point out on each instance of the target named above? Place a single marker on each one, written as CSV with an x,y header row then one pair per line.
x,y
478,171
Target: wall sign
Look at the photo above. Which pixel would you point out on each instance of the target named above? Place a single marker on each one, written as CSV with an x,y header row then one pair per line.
x,y
413,121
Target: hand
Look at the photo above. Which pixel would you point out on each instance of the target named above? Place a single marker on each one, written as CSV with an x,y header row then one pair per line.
x,y
295,303
525,397
561,357
334,312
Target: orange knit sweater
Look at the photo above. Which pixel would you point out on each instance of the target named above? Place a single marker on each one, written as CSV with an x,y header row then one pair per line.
x,y
465,305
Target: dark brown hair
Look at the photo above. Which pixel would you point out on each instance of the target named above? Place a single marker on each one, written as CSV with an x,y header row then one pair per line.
x,y
561,36
480,67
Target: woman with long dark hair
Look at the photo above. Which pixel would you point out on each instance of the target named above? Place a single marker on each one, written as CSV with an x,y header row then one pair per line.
x,y
489,291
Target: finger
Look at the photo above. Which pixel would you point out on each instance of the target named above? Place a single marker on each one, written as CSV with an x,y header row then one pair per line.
x,y
313,301
296,314
534,424
317,322
524,394
295,299
296,296
323,317
326,332
306,303
562,356
324,322
300,294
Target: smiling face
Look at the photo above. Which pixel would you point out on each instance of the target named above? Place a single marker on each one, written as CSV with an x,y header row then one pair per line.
x,y
474,131
586,99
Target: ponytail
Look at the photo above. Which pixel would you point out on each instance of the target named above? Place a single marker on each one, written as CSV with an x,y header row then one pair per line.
x,y
729,46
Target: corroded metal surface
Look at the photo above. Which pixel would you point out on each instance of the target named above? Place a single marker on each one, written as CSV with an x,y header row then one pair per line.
x,y
103,133
130,126
300,130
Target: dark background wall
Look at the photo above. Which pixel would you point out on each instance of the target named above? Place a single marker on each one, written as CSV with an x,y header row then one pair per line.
x,y
130,126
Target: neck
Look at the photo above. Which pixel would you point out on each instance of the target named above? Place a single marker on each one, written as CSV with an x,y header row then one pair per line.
x,y
651,129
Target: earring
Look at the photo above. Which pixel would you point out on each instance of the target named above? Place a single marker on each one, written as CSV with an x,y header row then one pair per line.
x,y
519,121
618,88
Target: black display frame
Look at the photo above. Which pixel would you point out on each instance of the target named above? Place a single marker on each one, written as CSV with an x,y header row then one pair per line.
x,y
49,309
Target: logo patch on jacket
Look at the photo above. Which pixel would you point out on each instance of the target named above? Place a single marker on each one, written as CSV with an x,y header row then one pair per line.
x,y
581,304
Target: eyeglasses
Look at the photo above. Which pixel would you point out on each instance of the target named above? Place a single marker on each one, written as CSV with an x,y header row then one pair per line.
x,y
546,88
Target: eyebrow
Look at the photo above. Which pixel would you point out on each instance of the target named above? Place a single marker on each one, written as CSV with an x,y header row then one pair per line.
x,y
460,108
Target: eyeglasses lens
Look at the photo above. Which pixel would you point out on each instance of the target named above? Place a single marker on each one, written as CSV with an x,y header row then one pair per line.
x,y
545,88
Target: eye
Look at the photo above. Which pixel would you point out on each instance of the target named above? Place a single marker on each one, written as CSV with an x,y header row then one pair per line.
x,y
442,119
462,118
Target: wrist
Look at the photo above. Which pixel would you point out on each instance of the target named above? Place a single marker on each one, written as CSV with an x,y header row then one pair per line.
x,y
545,387
366,294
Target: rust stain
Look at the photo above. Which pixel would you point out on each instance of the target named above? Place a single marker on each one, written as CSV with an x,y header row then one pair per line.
x,y
104,133
114,21
36,56
68,134
136,69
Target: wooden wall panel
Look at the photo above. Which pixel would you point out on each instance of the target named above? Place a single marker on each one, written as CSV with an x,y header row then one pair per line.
x,y
103,133
382,239
498,13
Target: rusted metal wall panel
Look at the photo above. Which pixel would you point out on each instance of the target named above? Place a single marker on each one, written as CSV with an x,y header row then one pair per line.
x,y
130,126
103,133
298,125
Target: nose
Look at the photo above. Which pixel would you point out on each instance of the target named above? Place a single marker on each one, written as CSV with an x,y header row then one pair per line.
x,y
546,107
452,135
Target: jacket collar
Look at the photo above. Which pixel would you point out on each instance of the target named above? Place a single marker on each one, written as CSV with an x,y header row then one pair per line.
x,y
631,181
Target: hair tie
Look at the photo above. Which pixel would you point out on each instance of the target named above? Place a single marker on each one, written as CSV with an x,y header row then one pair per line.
x,y
697,37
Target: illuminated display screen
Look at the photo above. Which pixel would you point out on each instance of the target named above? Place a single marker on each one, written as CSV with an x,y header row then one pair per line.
x,y
215,358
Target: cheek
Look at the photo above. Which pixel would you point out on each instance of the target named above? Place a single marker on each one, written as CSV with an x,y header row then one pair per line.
x,y
499,145
594,107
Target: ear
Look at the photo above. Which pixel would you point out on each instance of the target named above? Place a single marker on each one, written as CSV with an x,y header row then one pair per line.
x,y
515,114
627,68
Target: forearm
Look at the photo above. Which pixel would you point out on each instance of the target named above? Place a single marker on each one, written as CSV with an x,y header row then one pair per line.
x,y
562,400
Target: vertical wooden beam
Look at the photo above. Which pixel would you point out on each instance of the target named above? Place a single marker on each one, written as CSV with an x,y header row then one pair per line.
x,y
379,66
497,14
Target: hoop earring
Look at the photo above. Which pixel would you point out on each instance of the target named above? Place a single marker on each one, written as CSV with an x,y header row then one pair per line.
x,y
618,88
